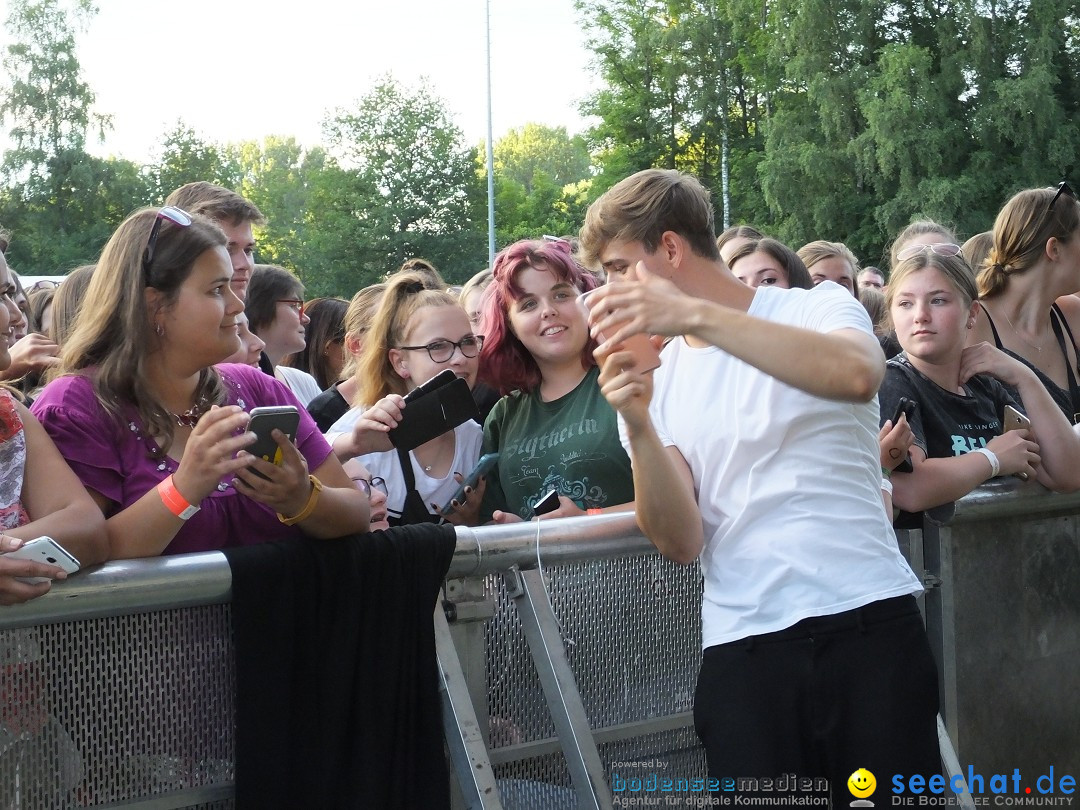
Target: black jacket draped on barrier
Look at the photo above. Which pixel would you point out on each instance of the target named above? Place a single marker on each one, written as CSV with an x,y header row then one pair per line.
x,y
337,699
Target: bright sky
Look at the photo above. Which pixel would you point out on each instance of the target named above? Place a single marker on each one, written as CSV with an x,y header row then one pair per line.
x,y
239,71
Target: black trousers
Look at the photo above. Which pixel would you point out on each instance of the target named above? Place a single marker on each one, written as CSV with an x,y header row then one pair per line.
x,y
823,698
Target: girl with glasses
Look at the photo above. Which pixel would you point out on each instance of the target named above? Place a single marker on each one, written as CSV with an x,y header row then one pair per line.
x,y
416,333
958,424
156,430
1025,285
275,311
553,429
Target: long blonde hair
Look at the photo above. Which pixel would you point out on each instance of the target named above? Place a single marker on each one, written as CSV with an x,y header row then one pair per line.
x,y
405,294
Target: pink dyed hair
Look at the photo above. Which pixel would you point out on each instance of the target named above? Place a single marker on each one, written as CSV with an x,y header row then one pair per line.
x,y
505,363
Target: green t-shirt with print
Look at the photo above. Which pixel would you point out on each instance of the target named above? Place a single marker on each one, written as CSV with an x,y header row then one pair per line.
x,y
570,444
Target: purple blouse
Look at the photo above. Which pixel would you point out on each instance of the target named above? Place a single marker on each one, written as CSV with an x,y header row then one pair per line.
x,y
111,457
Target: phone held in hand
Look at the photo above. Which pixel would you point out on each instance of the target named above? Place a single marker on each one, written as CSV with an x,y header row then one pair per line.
x,y
646,355
549,502
905,407
433,408
482,468
285,418
44,550
1014,420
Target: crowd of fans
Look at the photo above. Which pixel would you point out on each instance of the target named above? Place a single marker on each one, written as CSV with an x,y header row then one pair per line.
x,y
140,371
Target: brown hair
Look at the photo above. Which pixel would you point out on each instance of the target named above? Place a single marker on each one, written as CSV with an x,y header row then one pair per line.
x,y
797,274
646,205
917,228
215,202
1021,231
954,268
114,332
813,252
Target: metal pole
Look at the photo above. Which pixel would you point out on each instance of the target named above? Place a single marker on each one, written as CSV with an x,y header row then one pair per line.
x,y
490,146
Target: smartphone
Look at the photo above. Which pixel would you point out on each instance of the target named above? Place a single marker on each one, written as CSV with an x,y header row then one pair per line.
x,y
905,407
1014,420
431,409
646,355
44,550
548,503
285,418
482,468
444,377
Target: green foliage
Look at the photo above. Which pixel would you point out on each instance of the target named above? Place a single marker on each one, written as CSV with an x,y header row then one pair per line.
x,y
542,176
411,186
60,203
186,158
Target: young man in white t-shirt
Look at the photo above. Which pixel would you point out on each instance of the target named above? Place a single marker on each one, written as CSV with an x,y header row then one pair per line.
x,y
755,448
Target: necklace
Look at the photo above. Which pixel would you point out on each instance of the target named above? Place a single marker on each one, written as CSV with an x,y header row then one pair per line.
x,y
190,417
1017,332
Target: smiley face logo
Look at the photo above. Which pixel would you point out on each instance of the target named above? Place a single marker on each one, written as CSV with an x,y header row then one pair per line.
x,y
862,783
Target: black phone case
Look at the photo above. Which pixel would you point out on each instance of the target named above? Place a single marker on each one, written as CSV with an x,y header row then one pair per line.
x,y
905,406
433,413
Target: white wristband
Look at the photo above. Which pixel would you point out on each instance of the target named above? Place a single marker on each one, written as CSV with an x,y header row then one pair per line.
x,y
886,485
995,465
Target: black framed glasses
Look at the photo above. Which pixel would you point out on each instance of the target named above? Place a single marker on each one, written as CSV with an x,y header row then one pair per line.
x,y
177,216
294,303
365,485
1062,188
943,249
442,350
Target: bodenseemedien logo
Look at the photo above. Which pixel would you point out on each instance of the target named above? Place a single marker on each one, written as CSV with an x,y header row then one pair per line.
x,y
862,785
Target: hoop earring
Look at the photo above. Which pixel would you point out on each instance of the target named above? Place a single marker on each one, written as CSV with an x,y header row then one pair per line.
x,y
159,330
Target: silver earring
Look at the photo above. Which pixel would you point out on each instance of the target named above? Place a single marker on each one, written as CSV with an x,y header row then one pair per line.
x,y
159,330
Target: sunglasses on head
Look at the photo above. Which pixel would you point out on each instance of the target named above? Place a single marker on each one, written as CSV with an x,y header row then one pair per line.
x,y
1062,188
177,216
943,249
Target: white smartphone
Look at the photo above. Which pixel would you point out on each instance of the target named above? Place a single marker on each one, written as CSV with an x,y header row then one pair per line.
x,y
44,550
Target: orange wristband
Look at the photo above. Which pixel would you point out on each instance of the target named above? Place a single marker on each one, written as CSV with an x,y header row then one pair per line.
x,y
594,511
174,501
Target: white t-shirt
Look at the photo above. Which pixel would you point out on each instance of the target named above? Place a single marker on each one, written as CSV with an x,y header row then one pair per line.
x,y
467,438
304,387
789,484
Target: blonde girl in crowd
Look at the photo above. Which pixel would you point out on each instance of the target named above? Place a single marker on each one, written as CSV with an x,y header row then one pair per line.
x,y
416,333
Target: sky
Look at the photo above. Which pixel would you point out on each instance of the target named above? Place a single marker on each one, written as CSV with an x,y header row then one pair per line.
x,y
241,71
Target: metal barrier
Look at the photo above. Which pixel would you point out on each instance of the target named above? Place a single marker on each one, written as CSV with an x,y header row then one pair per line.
x,y
1004,624
117,687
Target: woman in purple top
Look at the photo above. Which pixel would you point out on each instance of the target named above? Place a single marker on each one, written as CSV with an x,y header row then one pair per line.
x,y
155,431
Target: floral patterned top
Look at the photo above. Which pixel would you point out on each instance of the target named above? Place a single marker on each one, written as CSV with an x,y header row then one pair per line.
x,y
12,464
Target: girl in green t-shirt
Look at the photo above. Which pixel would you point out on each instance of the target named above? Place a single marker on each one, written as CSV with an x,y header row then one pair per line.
x,y
553,429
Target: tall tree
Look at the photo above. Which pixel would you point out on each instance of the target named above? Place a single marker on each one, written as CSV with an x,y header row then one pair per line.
x,y
45,100
419,192
186,157
540,174
54,201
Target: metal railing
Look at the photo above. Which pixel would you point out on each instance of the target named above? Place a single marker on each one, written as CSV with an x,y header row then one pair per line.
x,y
117,685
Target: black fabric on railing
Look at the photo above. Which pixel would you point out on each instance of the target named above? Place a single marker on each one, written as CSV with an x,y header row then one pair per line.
x,y
337,700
